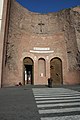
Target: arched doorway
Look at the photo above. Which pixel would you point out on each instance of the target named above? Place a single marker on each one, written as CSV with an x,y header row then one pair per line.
x,y
28,68
56,71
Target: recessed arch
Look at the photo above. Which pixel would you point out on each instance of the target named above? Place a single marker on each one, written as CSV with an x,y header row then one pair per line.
x,y
56,71
42,67
28,71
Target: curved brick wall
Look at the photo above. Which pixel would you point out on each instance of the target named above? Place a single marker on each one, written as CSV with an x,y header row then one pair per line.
x,y
58,31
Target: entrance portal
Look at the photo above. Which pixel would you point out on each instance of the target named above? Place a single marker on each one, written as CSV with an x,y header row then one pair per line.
x,y
28,71
56,71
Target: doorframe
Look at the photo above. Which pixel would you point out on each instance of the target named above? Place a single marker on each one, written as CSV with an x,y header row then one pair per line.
x,y
61,81
32,81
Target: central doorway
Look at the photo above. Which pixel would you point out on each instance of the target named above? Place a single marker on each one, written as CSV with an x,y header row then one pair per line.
x,y
28,71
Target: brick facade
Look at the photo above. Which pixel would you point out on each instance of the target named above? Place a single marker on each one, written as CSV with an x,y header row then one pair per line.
x,y
58,32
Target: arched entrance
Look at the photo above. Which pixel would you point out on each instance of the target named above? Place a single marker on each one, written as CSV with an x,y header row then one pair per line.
x,y
56,71
28,68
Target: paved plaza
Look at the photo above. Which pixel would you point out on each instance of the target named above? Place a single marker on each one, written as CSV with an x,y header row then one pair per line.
x,y
40,103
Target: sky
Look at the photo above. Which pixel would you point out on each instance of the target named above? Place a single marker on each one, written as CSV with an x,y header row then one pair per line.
x,y
46,6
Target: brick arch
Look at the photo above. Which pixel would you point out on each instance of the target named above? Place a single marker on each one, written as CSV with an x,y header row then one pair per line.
x,y
29,59
55,56
29,55
28,70
41,58
56,70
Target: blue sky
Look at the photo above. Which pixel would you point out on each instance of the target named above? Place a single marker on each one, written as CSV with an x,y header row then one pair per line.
x,y
45,6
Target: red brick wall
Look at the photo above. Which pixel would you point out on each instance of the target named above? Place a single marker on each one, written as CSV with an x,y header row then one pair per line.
x,y
25,33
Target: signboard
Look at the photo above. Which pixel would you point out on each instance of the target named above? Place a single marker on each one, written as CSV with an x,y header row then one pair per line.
x,y
41,50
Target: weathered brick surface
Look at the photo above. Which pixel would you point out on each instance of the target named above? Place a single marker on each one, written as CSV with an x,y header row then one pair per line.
x,y
58,32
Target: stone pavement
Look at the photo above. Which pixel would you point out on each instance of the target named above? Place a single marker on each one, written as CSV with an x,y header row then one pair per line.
x,y
17,103
40,103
